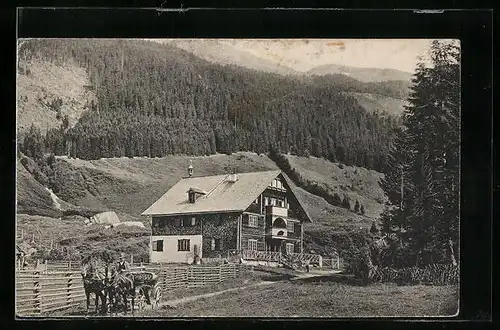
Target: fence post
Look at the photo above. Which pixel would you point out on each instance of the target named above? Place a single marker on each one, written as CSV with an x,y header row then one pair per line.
x,y
320,261
37,286
220,273
338,262
131,259
46,265
68,290
69,265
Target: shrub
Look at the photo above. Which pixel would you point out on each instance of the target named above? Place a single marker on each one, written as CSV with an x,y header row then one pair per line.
x,y
433,274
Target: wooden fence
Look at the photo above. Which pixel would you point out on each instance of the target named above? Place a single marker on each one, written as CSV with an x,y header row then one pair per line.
x,y
44,290
333,263
40,292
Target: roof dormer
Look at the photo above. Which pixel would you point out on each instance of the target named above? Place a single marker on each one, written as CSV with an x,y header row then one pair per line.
x,y
194,193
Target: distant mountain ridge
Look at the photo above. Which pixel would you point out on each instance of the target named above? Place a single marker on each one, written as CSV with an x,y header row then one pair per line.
x,y
362,74
224,52
215,52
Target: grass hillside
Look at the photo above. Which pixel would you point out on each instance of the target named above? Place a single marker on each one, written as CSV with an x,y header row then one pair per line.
x,y
380,103
40,84
31,196
356,182
362,74
130,185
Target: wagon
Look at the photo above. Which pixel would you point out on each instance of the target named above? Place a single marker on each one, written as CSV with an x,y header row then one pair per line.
x,y
147,289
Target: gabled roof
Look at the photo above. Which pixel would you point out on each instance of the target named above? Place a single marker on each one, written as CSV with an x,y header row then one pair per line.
x,y
222,195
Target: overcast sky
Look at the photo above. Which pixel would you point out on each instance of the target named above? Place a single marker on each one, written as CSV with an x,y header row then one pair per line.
x,y
304,54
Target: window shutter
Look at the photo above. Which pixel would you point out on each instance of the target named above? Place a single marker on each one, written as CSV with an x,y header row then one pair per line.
x,y
193,221
220,245
213,244
159,245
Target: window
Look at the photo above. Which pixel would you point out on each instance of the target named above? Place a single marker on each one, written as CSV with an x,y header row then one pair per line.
x,y
183,245
289,248
256,201
266,201
273,202
252,244
188,221
253,220
290,226
192,197
280,203
158,245
178,222
216,244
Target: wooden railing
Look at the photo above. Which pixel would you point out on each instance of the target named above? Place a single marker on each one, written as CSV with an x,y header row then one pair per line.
x,y
312,259
261,255
333,263
305,257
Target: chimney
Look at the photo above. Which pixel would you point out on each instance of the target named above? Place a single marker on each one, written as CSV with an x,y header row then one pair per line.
x,y
190,168
233,177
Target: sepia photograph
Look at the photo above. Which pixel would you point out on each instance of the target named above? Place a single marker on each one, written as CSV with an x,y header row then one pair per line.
x,y
265,178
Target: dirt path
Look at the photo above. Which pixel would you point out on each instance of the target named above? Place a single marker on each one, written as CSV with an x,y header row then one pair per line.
x,y
174,302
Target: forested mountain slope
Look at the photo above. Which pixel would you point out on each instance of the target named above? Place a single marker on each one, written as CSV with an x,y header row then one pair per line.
x,y
47,93
155,100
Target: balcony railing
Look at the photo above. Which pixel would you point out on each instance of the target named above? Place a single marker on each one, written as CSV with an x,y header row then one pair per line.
x,y
277,232
277,211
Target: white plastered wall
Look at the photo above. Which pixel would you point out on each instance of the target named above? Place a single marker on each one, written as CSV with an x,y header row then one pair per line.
x,y
170,251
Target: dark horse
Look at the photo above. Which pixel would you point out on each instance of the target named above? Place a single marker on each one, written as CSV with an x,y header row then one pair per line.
x,y
120,288
95,280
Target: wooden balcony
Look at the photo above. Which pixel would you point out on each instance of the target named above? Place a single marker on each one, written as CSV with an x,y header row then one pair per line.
x,y
278,233
277,211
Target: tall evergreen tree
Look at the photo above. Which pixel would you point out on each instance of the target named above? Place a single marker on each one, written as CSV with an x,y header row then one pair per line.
x,y
345,203
422,183
356,206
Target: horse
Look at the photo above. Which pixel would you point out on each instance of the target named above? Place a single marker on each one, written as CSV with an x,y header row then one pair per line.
x,y
120,288
95,280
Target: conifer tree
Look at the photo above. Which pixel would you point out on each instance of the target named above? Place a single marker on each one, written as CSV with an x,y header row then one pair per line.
x,y
337,200
345,203
425,206
356,206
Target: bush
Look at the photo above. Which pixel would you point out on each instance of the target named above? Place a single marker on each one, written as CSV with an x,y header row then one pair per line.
x,y
433,274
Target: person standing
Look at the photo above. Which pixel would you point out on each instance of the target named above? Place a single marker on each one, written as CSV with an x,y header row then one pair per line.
x,y
123,265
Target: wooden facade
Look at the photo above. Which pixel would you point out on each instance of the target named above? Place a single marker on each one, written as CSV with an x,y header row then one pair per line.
x,y
272,222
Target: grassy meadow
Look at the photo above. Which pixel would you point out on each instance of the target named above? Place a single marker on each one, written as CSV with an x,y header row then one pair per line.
x,y
322,299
